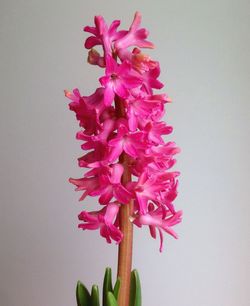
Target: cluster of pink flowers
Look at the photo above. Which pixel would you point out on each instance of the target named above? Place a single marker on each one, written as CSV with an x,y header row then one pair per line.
x,y
135,130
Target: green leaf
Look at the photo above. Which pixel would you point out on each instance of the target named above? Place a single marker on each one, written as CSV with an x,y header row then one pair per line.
x,y
82,295
135,289
117,287
107,285
111,300
95,296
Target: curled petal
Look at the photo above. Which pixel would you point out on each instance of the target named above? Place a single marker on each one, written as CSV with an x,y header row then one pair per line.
x,y
135,36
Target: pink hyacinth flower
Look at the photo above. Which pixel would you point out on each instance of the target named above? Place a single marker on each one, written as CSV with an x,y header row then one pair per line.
x,y
167,196
155,130
87,108
93,141
135,36
139,61
149,187
110,186
159,219
144,108
103,35
103,220
118,80
96,158
150,80
86,184
127,142
142,62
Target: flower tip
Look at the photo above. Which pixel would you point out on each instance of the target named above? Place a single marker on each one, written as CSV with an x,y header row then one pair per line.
x,y
97,17
151,46
67,93
80,216
137,14
99,21
180,212
86,29
137,20
81,226
177,173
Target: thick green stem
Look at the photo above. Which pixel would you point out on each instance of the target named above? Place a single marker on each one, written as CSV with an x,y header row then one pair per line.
x,y
126,226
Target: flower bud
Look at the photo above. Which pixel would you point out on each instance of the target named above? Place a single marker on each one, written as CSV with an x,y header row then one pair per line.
x,y
94,58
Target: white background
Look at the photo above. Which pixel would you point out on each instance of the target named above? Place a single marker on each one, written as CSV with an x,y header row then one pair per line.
x,y
203,48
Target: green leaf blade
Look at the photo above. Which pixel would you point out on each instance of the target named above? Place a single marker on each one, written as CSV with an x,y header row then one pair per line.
x,y
111,300
95,296
135,289
82,295
117,288
107,285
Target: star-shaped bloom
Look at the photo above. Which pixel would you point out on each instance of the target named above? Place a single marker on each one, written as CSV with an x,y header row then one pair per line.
x,y
103,35
136,36
110,186
104,220
118,80
160,219
127,142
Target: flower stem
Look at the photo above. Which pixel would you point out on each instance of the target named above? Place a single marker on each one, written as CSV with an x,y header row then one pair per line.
x,y
126,226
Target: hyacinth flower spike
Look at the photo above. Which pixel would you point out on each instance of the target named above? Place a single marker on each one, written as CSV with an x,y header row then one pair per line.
x,y
126,146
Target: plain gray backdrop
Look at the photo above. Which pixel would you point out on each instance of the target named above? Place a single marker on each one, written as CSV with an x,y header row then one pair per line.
x,y
203,48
